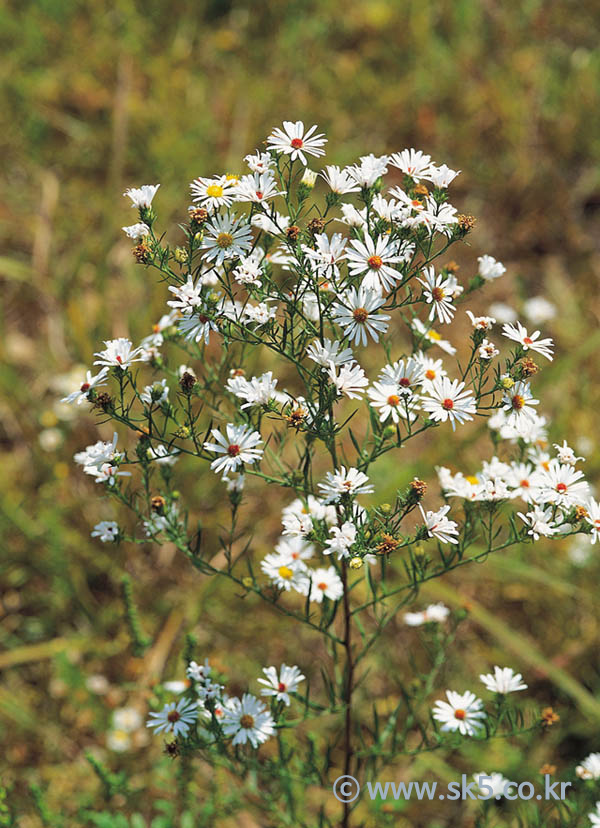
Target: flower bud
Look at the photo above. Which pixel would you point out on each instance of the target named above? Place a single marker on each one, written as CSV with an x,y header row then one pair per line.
x,y
355,563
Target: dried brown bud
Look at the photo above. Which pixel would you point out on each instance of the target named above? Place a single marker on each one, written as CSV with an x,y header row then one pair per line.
x,y
528,367
141,253
237,372
172,749
549,717
387,544
548,770
296,417
580,513
419,487
187,382
466,223
452,267
198,215
293,232
420,190
158,503
316,225
103,401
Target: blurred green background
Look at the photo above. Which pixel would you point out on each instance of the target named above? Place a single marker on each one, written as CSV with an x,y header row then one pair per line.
x,y
97,97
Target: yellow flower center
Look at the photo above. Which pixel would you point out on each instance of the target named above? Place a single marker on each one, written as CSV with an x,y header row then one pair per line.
x,y
472,479
285,572
232,177
393,400
224,240
214,191
434,335
430,374
438,294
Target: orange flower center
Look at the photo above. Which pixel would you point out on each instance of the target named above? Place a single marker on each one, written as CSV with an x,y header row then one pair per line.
x,y
527,340
297,143
430,374
524,484
322,586
360,315
448,404
438,294
375,262
393,400
518,402
460,714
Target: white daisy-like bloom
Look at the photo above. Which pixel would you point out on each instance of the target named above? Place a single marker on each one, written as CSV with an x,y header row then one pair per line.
x,y
392,401
487,350
101,452
489,268
327,255
590,767
440,177
338,180
491,785
295,548
198,327
127,719
503,680
540,522
481,323
259,314
437,295
439,526
593,518
260,162
539,310
595,816
406,374
118,353
187,296
370,168
411,162
353,217
238,446
314,508
163,456
433,614
106,473
374,259
136,231
257,188
257,391
156,393
566,454
518,333
275,224
328,353
281,684
344,537
213,193
461,712
81,395
118,740
436,217
431,368
284,571
523,481
295,141
432,336
198,672
248,272
562,485
226,238
142,196
296,525
350,380
107,531
247,720
323,583
357,315
447,400
341,482
518,402
176,718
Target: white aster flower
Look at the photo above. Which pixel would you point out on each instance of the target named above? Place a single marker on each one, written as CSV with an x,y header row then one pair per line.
x,y
237,447
432,336
176,718
433,614
489,268
590,767
440,177
162,455
327,254
329,353
127,719
281,684
118,353
226,238
519,334
439,526
391,400
411,162
357,315
257,188
518,402
371,168
136,231
294,141
374,258
566,454
481,323
487,350
187,296
86,386
107,531
437,294
539,522
342,482
461,712
212,193
324,583
503,312
350,380
285,571
503,680
247,720
338,180
296,525
295,548
342,541
593,518
260,162
142,196
562,485
257,391
156,393
447,400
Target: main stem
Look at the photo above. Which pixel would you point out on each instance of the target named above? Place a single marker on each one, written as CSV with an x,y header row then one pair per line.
x,y
348,688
